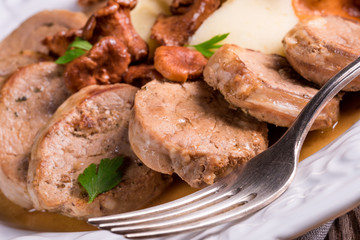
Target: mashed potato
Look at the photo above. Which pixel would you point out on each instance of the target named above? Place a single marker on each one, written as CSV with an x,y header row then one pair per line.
x,y
145,13
254,24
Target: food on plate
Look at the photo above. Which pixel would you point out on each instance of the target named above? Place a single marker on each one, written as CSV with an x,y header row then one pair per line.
x,y
183,127
264,86
105,63
310,8
175,30
29,34
87,3
139,75
178,64
10,63
114,20
189,129
258,25
27,100
91,125
318,48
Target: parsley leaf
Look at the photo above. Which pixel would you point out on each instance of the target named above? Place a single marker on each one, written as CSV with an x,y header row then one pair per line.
x,y
75,49
205,48
101,178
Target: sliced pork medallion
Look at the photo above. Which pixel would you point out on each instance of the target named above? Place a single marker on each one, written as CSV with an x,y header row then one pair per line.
x,y
265,86
10,63
29,34
189,129
27,100
90,126
318,48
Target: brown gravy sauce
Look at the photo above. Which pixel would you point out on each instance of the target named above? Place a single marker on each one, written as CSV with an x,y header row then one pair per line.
x,y
21,218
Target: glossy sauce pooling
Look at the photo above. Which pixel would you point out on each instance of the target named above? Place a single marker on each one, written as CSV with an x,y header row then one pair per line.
x,y
41,221
344,8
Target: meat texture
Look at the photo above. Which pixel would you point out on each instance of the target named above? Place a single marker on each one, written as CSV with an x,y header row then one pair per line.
x,y
265,86
179,63
9,64
105,63
188,129
318,48
175,30
27,100
29,34
91,125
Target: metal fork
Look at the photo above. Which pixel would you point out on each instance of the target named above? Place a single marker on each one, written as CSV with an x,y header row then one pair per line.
x,y
241,193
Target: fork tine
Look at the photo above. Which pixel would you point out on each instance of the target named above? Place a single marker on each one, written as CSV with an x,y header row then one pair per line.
x,y
225,211
186,209
234,208
205,213
215,220
197,196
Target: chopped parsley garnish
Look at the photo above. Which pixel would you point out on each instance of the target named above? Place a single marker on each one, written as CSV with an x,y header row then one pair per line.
x,y
75,49
206,48
101,178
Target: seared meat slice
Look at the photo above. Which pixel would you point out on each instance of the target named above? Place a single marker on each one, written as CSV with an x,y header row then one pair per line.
x,y
91,125
320,47
105,63
27,100
179,63
10,63
176,30
265,86
29,34
189,129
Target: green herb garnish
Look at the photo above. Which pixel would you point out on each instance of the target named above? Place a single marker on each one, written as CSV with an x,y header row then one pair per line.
x,y
206,48
102,178
75,49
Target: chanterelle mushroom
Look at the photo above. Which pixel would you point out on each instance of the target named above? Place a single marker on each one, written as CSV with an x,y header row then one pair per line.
x,y
176,30
105,63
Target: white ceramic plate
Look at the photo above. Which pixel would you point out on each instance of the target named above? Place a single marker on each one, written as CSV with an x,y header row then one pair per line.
x,y
326,184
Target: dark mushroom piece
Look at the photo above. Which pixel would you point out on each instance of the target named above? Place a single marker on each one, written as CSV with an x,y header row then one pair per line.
x,y
139,75
114,20
58,43
179,63
176,30
180,6
105,63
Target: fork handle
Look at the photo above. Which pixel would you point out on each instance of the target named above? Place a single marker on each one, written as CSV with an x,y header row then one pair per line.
x,y
306,118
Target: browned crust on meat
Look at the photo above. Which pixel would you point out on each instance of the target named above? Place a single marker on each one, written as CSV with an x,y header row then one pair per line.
x,y
28,99
189,130
265,86
29,34
89,126
318,48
